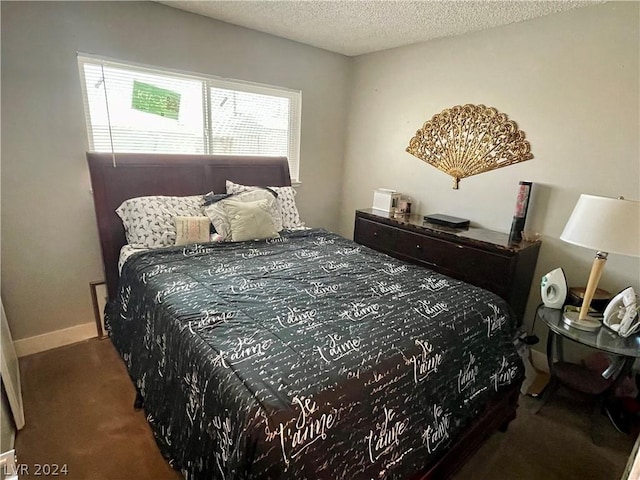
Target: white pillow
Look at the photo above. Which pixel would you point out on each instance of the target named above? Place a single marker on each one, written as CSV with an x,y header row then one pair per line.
x,y
218,215
149,221
192,230
286,202
250,220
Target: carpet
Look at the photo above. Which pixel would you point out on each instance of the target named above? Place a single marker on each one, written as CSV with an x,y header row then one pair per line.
x,y
78,403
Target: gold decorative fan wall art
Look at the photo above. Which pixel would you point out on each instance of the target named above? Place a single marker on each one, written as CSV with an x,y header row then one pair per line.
x,y
466,140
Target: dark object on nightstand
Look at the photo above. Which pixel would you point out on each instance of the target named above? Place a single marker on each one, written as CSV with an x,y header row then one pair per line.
x,y
447,220
600,299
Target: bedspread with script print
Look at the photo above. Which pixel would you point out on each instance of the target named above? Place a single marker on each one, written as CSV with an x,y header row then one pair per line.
x,y
306,357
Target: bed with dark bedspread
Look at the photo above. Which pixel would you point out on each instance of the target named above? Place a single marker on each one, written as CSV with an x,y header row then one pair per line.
x,y
306,357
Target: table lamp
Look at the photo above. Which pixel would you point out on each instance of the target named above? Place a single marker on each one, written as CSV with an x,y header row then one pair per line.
x,y
607,225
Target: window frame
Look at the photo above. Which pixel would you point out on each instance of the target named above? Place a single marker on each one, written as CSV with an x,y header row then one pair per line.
x,y
208,82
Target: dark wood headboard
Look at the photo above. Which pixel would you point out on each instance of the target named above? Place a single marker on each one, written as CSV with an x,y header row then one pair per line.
x,y
141,174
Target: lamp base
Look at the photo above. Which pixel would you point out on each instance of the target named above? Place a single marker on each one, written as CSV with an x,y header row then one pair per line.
x,y
588,324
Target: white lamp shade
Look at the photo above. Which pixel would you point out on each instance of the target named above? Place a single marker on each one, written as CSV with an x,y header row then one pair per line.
x,y
609,225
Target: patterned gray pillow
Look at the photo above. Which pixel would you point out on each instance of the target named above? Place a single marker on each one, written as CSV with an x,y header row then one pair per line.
x,y
218,215
286,202
149,221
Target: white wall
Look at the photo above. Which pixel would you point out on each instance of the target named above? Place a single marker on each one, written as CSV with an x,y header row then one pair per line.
x,y
50,249
570,81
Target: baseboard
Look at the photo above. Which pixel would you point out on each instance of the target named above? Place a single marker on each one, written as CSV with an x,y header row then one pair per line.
x,y
58,338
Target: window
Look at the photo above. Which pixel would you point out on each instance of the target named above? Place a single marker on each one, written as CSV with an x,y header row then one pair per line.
x,y
130,108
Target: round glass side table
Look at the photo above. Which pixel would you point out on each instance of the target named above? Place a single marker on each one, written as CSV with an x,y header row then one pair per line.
x,y
622,351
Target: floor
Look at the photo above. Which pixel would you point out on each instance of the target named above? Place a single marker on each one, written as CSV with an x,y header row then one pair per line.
x,y
78,404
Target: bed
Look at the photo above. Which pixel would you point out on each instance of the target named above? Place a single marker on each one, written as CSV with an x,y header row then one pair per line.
x,y
299,357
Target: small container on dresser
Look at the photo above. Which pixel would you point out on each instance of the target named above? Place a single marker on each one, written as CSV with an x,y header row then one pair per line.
x,y
481,257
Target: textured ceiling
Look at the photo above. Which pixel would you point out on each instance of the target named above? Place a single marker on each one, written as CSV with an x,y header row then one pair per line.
x,y
354,27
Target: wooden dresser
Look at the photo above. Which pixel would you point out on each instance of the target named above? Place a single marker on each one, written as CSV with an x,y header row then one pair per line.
x,y
481,257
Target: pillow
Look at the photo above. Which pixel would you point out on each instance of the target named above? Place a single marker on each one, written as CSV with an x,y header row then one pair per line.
x,y
211,198
220,220
192,230
250,220
286,202
149,221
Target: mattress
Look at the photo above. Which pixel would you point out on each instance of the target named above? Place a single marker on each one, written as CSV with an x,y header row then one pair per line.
x,y
306,357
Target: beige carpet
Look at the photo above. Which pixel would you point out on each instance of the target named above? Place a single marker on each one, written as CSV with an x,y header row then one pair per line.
x,y
78,407
554,444
78,403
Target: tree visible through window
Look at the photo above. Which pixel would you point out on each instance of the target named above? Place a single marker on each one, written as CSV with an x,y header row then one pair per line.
x,y
137,109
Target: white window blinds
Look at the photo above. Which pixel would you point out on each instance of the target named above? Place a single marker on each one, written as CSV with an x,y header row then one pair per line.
x,y
130,108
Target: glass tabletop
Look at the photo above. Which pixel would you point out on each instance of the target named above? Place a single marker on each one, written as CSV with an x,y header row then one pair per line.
x,y
602,339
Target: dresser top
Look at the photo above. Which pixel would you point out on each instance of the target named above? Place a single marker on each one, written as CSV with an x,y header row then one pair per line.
x,y
472,235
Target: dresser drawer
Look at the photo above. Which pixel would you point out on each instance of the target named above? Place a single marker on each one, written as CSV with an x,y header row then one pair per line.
x,y
468,263
376,235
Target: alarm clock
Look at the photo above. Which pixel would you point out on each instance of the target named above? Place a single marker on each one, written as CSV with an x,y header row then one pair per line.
x,y
553,289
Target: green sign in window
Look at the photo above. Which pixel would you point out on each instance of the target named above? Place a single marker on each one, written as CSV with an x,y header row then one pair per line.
x,y
159,101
